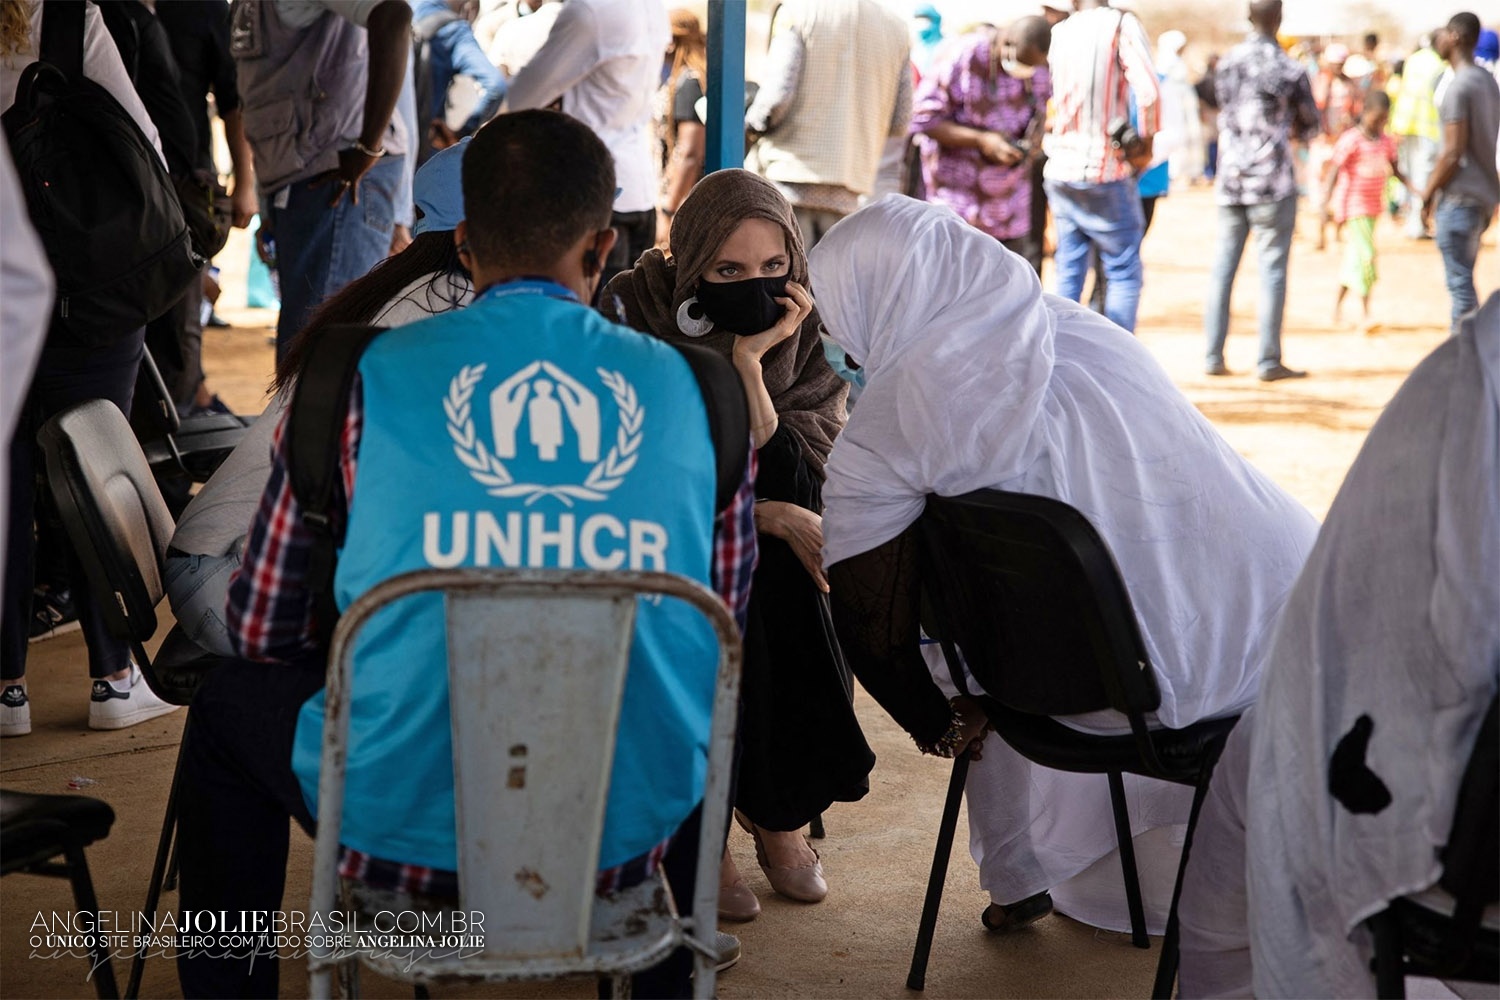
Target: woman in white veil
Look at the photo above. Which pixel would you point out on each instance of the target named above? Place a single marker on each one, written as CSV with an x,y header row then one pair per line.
x,y
976,379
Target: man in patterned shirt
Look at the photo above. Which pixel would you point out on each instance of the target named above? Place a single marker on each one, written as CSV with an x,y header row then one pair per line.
x,y
1265,102
978,117
683,502
1100,58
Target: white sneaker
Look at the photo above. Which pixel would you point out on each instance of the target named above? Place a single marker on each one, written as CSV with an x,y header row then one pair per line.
x,y
111,709
15,711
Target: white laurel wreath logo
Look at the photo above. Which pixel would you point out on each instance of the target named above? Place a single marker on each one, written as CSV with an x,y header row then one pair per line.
x,y
491,473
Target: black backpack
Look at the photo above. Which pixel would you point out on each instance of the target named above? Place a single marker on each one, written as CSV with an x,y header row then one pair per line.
x,y
97,193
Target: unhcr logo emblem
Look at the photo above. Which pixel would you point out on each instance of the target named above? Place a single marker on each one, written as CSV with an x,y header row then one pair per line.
x,y
543,410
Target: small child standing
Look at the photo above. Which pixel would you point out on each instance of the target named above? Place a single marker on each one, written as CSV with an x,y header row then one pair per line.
x,y
1363,159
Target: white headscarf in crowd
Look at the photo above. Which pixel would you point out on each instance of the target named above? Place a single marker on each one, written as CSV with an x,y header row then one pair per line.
x,y
1396,617
976,379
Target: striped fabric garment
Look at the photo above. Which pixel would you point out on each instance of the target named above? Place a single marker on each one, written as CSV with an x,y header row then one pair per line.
x,y
1098,58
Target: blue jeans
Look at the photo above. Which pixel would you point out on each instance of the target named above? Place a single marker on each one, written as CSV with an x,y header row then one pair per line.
x,y
454,50
1272,223
198,590
1460,223
1106,218
319,249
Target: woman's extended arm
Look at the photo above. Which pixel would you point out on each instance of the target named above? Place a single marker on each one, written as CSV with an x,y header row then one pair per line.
x,y
876,602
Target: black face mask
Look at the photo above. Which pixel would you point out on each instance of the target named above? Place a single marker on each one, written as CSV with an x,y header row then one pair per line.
x,y
743,307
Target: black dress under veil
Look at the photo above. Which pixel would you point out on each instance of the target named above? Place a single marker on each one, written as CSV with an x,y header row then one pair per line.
x,y
801,748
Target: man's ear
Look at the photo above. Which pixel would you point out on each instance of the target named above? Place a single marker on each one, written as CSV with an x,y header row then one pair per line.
x,y
461,237
604,242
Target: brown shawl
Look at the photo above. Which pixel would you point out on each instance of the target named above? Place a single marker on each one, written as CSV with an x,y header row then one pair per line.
x,y
808,395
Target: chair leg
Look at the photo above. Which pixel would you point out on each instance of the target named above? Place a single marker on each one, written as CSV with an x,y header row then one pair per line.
x,y
1166,965
84,899
349,979
815,828
164,846
1138,935
1390,958
169,884
620,987
419,992
916,978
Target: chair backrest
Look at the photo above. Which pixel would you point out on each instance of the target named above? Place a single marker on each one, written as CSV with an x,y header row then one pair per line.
x,y
1031,595
113,512
536,665
1471,859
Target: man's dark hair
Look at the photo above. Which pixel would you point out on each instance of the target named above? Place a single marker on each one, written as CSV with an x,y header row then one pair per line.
x,y
1372,40
1265,14
1465,28
1031,32
535,182
1377,100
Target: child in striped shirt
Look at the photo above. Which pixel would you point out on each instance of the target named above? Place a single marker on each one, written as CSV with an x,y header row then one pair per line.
x,y
1363,159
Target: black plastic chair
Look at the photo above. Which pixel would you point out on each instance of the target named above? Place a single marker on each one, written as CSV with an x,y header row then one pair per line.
x,y
1412,940
1029,592
35,830
120,526
174,446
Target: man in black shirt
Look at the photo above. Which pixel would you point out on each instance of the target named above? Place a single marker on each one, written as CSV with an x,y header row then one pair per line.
x,y
199,33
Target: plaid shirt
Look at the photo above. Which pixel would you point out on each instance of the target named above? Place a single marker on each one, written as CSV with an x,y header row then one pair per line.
x,y
270,616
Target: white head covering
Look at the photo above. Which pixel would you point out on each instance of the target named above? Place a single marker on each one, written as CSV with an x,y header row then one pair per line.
x,y
976,379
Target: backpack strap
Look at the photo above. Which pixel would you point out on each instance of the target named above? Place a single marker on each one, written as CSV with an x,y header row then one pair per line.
x,y
62,36
728,417
315,425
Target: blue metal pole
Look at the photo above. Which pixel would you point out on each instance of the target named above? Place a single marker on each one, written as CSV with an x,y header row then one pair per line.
x,y
726,84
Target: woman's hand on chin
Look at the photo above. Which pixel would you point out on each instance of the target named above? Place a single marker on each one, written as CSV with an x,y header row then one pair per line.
x,y
798,527
798,304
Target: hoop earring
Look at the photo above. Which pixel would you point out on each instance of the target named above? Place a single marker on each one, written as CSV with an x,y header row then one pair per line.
x,y
693,326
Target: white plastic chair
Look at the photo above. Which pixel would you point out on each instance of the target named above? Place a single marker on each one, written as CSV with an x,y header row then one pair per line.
x,y
536,669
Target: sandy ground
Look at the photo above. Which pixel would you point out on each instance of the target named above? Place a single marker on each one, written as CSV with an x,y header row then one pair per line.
x,y
857,943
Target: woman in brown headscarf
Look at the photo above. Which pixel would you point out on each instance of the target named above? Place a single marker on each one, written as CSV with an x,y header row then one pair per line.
x,y
736,284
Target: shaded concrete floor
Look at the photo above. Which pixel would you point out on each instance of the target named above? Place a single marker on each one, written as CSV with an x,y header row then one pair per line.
x,y
857,943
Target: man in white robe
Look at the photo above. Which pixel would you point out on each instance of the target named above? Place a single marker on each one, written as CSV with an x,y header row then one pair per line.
x,y
1337,790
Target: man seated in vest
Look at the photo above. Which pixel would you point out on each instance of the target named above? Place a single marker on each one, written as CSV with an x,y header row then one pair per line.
x,y
544,392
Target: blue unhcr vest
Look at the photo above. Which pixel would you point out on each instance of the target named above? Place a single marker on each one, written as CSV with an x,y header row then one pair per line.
x,y
523,431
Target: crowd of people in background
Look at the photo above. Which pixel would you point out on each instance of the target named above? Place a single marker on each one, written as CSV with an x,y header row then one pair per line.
x,y
906,178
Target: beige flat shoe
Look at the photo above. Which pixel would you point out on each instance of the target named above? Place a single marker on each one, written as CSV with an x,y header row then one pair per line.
x,y
804,883
736,902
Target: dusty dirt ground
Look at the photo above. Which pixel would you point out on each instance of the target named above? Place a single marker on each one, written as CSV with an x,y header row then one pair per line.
x,y
857,943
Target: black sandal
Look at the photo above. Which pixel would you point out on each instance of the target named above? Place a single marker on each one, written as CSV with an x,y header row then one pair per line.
x,y
998,919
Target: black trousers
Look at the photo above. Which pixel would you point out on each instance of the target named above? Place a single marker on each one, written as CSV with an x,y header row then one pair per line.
x,y
176,342
237,793
64,377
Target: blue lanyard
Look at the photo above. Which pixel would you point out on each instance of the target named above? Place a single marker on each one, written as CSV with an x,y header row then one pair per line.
x,y
526,286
